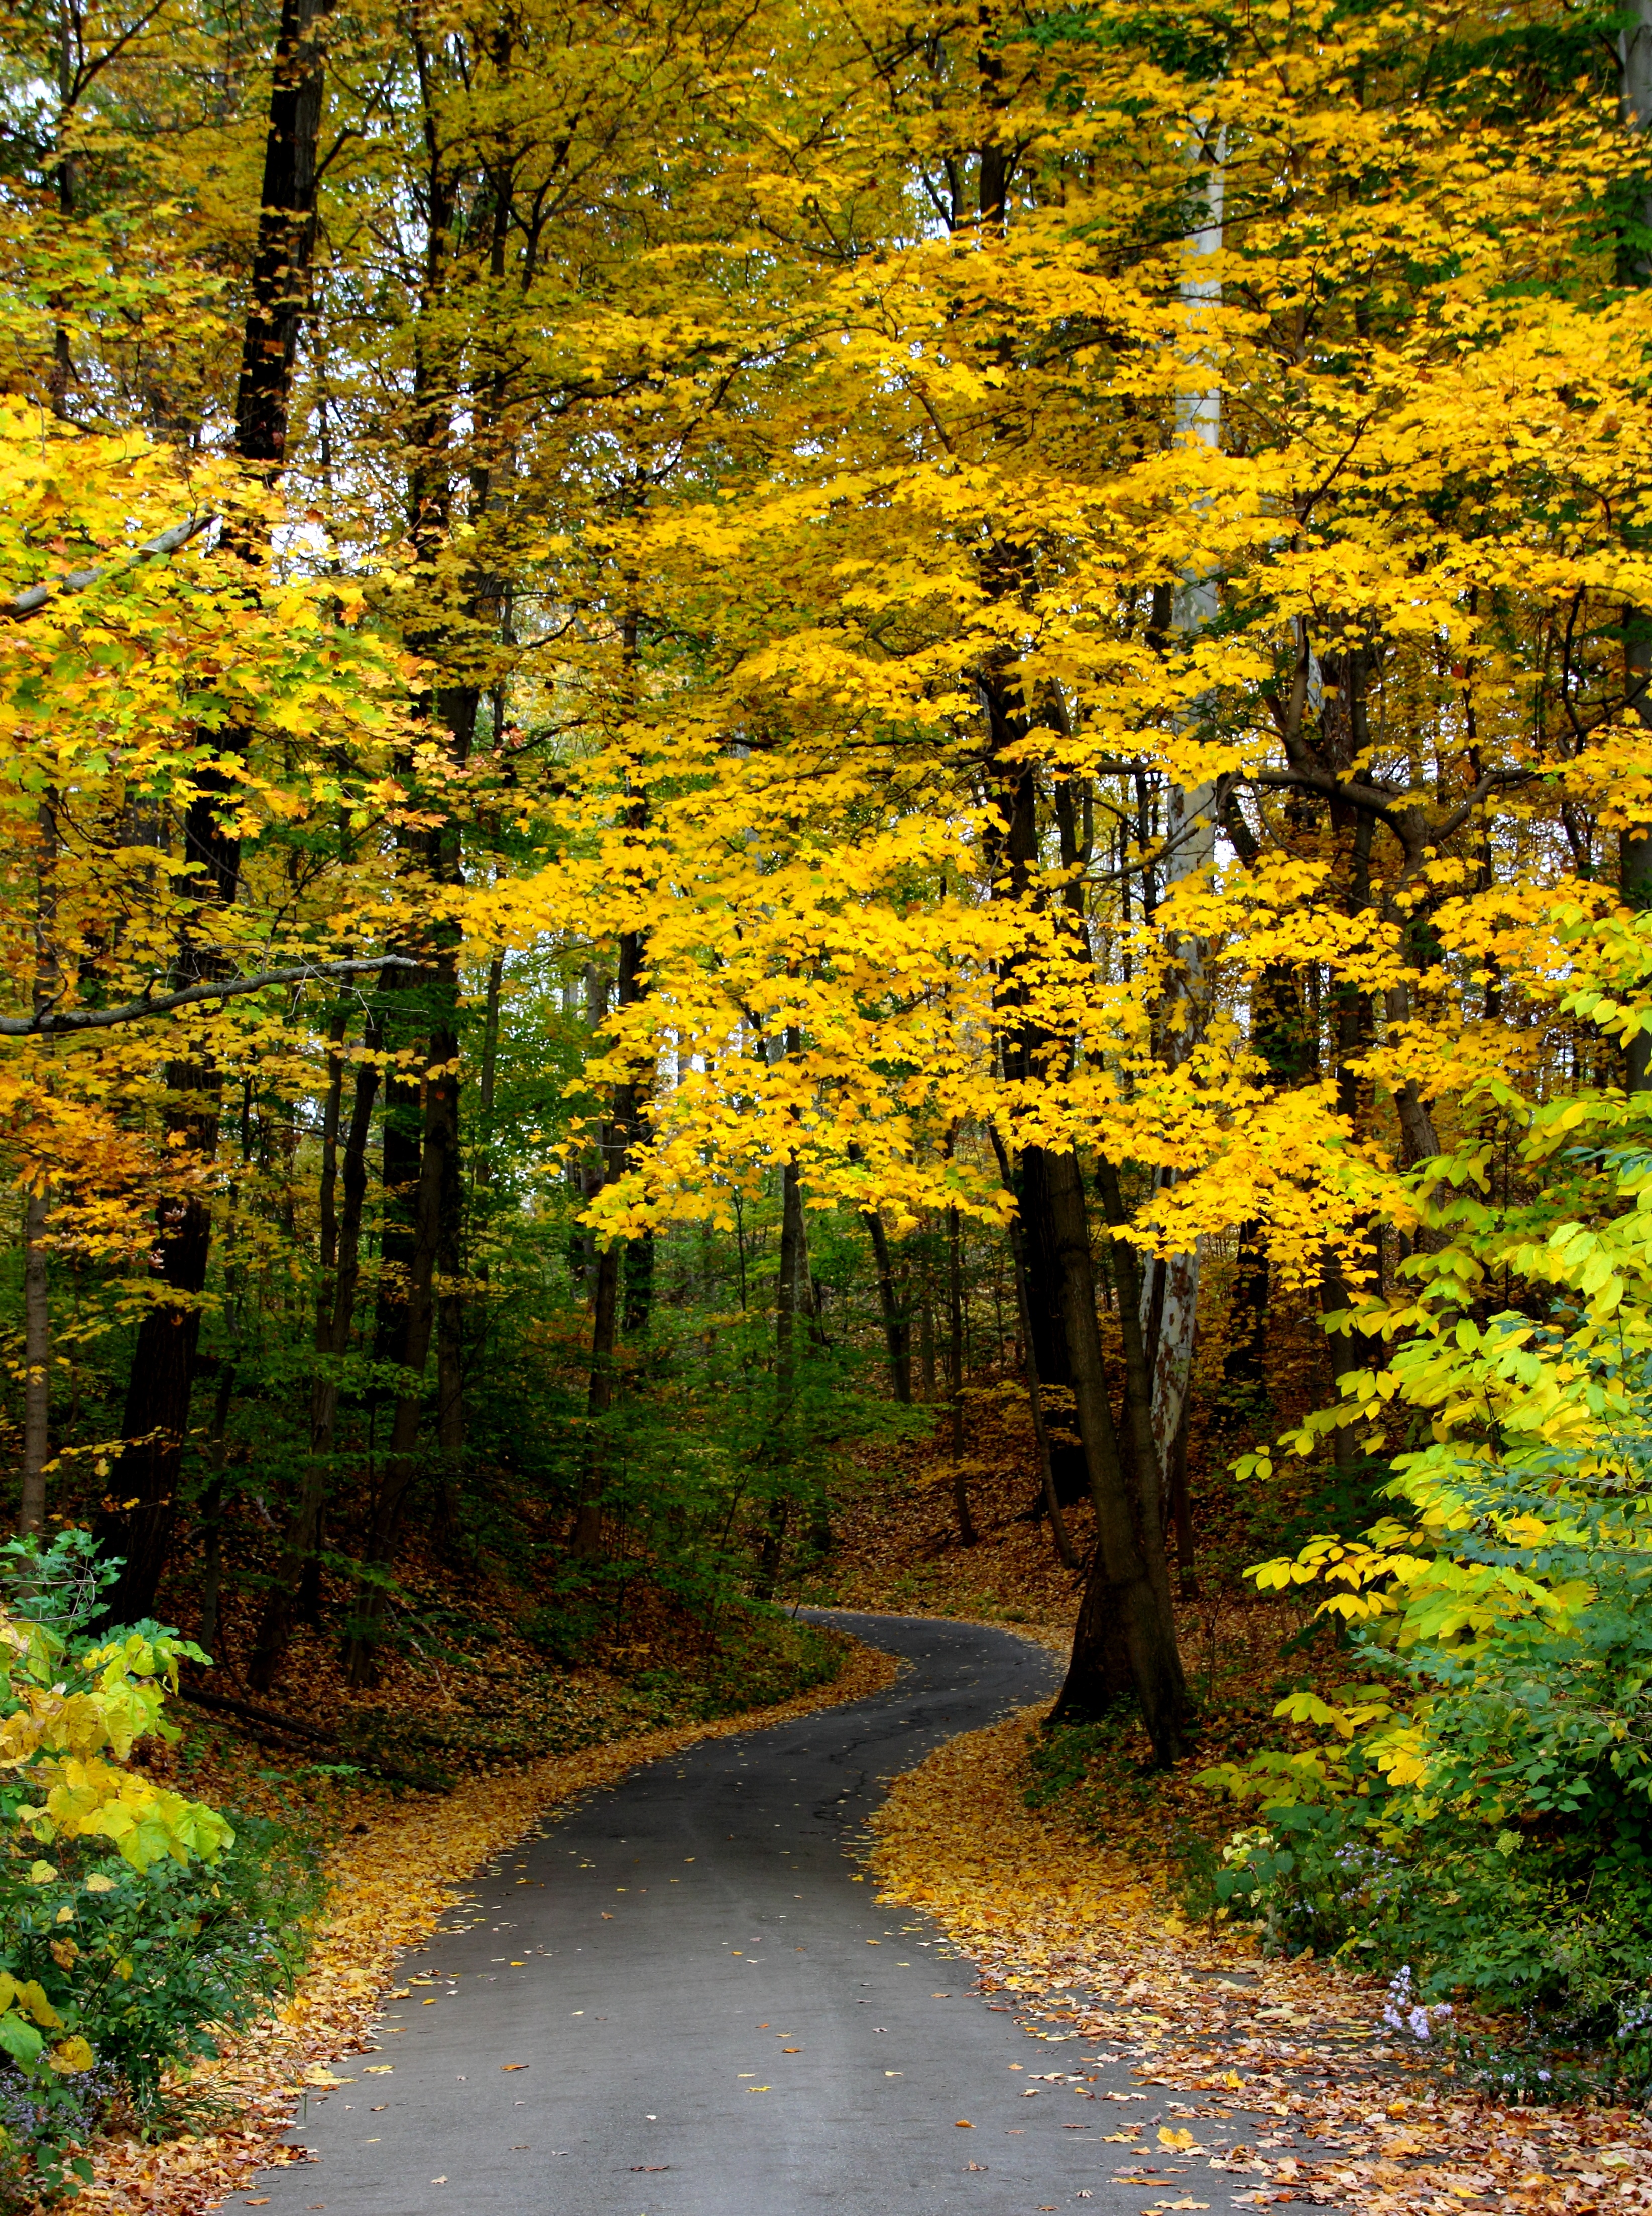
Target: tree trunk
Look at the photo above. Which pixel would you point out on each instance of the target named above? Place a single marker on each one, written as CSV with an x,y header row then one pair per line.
x,y
586,1539
1125,1619
37,1360
334,1318
896,1334
1635,846
794,1249
212,1520
1034,1386
967,1533
1068,1470
400,1463
157,1415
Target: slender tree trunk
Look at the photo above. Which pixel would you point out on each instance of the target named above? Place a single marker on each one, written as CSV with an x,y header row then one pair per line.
x,y
37,1361
1635,845
794,1249
966,1531
889,1301
334,1318
1034,1386
587,1540
212,1509
624,1128
157,1416
400,1463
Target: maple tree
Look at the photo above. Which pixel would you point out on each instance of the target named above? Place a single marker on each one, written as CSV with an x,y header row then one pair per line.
x,y
700,703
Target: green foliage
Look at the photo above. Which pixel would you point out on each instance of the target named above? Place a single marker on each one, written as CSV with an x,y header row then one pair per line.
x,y
1061,1760
1478,1821
134,1924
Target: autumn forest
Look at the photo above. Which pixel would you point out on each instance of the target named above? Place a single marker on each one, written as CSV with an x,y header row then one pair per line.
x,y
834,807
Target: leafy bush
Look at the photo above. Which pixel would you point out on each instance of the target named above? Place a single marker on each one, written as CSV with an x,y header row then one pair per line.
x,y
131,1928
1478,1820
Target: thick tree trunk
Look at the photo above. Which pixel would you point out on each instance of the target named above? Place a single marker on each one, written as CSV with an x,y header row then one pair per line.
x,y
1126,1618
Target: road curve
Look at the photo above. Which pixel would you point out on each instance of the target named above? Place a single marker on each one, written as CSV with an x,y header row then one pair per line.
x,y
679,2000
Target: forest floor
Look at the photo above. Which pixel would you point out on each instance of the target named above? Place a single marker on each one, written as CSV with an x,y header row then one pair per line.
x,y
1069,1899
400,1858
1073,1913
1070,1904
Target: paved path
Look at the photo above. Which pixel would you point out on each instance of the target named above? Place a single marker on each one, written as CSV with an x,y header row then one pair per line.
x,y
680,2002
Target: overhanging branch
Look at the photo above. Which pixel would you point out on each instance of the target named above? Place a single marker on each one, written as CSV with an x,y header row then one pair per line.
x,y
32,601
50,1022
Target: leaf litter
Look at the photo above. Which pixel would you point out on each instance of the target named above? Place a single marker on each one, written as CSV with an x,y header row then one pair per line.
x,y
408,1861
1288,2064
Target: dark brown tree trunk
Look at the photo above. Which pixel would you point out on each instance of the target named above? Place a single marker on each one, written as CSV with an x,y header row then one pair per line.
x,y
157,1418
624,1129
794,1249
1126,1618
37,1363
1034,1385
334,1318
1068,1470
896,1333
1634,848
212,1509
967,1533
587,1538
400,1458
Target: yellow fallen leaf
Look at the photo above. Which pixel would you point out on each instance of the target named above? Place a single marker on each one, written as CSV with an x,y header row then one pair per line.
x,y
1179,2140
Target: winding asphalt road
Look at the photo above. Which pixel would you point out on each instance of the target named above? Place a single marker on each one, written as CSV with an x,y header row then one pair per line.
x,y
682,2000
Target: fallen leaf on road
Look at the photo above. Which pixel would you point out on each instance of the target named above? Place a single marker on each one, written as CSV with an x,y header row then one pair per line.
x,y
513,2065
964,2125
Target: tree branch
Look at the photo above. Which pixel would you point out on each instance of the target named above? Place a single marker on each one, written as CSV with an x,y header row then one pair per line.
x,y
32,601
50,1022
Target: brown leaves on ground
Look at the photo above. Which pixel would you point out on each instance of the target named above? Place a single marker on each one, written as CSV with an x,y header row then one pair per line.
x,y
1260,2050
388,1886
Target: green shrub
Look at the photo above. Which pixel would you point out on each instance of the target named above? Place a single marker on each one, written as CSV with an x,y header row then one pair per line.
x,y
134,1923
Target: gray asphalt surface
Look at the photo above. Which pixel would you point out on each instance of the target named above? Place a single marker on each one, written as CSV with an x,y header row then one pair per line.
x,y
677,2000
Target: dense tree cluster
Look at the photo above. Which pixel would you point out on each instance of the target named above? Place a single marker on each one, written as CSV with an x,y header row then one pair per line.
x,y
692,690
